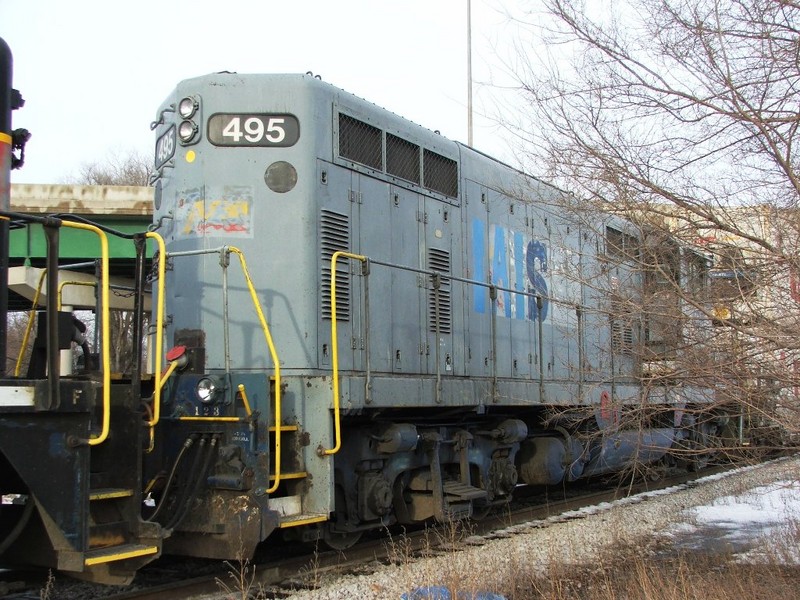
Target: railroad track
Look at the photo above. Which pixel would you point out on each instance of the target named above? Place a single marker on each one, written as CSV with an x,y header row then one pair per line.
x,y
279,576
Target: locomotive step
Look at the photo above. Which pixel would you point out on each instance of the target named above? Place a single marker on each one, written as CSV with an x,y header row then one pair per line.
x,y
304,519
290,510
284,428
455,490
286,506
109,493
112,533
297,475
117,553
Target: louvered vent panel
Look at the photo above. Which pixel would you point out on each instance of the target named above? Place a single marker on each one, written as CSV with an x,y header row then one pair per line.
x,y
621,338
334,236
439,261
441,173
360,142
402,158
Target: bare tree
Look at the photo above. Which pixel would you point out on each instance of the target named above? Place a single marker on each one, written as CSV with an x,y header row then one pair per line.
x,y
117,168
682,115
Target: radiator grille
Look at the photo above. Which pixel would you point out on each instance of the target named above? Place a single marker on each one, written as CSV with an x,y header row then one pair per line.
x,y
390,154
439,262
360,142
402,158
334,236
441,173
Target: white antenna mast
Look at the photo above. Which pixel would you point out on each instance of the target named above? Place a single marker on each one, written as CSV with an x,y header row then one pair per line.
x,y
469,72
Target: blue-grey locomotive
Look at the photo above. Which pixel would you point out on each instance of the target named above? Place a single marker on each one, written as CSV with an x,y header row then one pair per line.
x,y
357,323
430,312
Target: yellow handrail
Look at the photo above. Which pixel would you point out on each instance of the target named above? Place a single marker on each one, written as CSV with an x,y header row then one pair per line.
x,y
64,284
274,355
105,339
151,423
245,401
337,429
162,267
29,327
217,419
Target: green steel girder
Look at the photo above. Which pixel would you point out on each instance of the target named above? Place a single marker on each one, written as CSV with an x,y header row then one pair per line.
x,y
29,242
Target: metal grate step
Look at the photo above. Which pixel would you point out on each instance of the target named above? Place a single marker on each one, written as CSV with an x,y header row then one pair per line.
x,y
109,493
457,491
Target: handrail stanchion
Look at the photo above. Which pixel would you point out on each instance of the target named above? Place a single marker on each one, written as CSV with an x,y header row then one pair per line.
x,y
105,325
162,262
337,426
274,355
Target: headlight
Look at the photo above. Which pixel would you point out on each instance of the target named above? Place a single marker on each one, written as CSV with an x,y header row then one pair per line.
x,y
187,130
206,390
187,107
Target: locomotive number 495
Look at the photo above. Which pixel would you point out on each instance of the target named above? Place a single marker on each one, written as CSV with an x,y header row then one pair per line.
x,y
165,147
253,130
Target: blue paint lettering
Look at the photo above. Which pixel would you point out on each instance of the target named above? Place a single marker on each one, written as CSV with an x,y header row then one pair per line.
x,y
536,261
500,271
479,255
510,255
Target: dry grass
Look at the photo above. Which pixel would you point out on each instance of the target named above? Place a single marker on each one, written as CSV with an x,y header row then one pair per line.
x,y
241,580
46,592
682,577
625,570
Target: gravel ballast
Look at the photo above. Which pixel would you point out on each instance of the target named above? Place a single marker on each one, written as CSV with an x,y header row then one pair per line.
x,y
489,563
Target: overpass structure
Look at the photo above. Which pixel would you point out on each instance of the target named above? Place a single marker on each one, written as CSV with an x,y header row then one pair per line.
x,y
123,208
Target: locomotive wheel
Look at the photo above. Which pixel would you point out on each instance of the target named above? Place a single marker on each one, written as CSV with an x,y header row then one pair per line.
x,y
337,540
340,539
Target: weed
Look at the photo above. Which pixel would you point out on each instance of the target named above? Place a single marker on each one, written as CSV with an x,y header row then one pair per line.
x,y
47,590
242,578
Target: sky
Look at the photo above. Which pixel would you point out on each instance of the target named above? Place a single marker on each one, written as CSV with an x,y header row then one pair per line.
x,y
93,72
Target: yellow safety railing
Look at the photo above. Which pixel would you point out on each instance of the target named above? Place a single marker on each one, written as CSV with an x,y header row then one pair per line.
x,y
105,323
29,327
105,326
247,410
337,427
245,401
274,355
160,381
156,414
64,284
